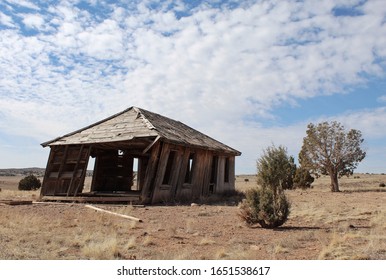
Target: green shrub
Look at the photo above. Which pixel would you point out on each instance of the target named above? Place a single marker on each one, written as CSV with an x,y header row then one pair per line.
x,y
275,168
268,205
303,178
30,182
262,206
250,207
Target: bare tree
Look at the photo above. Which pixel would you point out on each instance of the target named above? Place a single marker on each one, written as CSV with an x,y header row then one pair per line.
x,y
329,149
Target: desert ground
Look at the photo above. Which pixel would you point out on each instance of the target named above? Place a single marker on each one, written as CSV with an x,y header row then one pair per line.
x,y
322,225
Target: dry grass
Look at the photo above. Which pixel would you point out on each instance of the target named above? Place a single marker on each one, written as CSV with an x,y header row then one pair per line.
x,y
206,241
105,249
350,243
322,225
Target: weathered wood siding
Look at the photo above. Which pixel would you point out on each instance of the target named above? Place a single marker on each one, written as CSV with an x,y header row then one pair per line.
x,y
226,174
150,174
66,170
167,172
177,187
163,190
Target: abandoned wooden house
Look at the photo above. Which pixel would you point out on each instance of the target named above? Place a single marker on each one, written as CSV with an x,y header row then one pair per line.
x,y
140,157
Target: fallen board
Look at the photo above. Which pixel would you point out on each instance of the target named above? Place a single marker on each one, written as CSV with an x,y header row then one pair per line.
x,y
131,199
16,202
113,213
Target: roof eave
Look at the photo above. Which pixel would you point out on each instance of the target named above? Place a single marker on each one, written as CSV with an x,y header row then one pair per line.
x,y
223,151
45,144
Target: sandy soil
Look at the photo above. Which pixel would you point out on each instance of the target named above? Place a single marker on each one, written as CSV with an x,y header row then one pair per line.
x,y
322,225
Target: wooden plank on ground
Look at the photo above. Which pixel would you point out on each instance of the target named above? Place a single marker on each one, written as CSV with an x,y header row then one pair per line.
x,y
16,202
52,203
92,198
113,213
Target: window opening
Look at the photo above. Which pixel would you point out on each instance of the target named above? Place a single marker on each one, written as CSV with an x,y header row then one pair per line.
x,y
189,170
135,185
213,174
226,171
169,166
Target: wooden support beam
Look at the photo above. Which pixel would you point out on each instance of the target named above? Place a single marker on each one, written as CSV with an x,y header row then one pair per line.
x,y
151,144
113,213
151,171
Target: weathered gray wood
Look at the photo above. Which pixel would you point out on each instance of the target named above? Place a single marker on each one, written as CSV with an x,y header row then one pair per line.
x,y
200,174
51,203
63,162
113,213
59,180
74,173
150,173
176,173
47,172
206,173
232,176
128,198
151,144
181,187
16,202
79,187
160,173
166,192
220,174
136,123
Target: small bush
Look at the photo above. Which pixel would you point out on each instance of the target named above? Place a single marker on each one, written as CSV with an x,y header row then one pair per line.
x,y
276,168
262,206
268,205
28,183
382,185
303,178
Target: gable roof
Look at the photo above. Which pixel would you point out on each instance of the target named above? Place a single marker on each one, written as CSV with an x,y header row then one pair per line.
x,y
135,122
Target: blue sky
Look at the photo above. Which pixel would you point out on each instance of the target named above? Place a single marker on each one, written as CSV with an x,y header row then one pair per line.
x,y
248,73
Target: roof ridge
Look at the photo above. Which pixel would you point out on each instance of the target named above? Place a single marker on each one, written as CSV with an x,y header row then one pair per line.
x,y
143,118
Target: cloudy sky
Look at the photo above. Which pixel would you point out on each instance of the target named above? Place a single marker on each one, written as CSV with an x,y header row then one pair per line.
x,y
248,73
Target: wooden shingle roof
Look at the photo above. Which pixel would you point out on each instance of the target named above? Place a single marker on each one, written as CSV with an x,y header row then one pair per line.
x,y
134,123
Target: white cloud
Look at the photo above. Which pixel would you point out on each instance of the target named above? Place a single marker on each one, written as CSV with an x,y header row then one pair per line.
x,y
211,69
6,20
24,3
381,98
103,41
371,122
215,55
33,21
